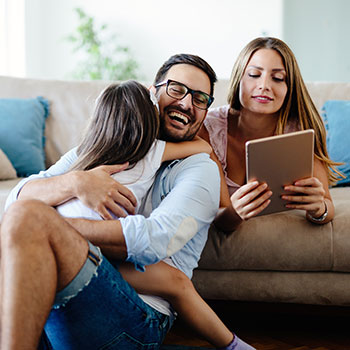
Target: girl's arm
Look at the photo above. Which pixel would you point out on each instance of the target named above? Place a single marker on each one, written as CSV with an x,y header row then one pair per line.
x,y
178,150
224,194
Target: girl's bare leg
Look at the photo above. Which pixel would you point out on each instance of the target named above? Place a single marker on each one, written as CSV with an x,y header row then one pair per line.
x,y
170,283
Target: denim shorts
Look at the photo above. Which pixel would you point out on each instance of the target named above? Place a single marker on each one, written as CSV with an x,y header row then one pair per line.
x,y
100,310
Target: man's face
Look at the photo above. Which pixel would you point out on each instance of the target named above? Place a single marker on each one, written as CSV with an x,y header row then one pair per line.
x,y
180,120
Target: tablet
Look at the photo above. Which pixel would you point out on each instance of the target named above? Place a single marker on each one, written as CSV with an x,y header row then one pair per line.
x,y
280,160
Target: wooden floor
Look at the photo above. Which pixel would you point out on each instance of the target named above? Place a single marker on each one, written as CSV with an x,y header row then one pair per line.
x,y
277,327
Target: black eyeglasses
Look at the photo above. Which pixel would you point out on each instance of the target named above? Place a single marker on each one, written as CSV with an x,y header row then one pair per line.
x,y
179,91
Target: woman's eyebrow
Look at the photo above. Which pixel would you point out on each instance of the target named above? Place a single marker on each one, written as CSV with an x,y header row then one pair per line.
x,y
273,70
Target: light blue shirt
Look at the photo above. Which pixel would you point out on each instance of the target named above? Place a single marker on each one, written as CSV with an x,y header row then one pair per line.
x,y
176,213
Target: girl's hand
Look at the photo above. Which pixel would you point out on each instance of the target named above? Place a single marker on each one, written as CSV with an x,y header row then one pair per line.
x,y
307,194
250,199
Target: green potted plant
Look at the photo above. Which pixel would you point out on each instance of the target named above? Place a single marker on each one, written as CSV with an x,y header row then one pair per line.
x,y
104,58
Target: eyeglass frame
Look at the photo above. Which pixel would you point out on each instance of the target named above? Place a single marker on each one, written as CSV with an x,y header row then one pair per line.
x,y
189,91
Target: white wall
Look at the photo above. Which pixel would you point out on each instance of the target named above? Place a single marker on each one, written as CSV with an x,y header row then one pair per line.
x,y
154,30
12,38
318,32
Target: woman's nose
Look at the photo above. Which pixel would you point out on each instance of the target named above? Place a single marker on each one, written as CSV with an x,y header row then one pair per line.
x,y
264,83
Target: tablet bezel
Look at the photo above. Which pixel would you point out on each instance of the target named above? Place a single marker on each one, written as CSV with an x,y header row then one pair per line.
x,y
280,160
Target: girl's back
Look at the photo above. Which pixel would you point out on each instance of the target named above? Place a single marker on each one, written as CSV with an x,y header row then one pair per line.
x,y
138,179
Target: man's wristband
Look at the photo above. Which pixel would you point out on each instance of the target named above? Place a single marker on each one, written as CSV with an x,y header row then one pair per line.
x,y
320,218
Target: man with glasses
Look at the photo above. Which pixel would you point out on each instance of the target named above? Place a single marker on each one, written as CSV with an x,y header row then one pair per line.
x,y
50,272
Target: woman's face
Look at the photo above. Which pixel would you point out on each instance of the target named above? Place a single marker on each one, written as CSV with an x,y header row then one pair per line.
x,y
263,86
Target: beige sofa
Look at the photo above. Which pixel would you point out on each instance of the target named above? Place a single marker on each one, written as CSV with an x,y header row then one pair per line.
x,y
275,258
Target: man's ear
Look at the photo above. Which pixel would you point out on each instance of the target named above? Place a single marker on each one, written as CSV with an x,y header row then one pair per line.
x,y
153,89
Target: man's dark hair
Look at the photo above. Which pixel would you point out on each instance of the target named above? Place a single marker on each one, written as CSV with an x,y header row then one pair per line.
x,y
193,60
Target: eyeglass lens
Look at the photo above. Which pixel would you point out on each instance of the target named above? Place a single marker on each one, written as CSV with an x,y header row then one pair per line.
x,y
179,91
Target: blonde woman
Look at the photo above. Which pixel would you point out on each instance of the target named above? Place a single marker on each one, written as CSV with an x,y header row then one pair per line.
x,y
267,96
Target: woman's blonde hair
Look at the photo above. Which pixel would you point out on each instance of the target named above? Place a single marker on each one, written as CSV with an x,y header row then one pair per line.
x,y
297,107
123,127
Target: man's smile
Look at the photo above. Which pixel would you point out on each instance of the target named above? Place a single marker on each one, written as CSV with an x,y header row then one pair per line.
x,y
179,117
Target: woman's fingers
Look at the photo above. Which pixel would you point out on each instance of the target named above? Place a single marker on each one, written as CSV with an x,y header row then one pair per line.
x,y
251,199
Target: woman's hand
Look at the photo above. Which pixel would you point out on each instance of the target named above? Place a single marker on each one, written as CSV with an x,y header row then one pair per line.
x,y
251,199
306,194
100,192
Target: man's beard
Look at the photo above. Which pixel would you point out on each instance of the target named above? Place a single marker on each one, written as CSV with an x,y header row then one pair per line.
x,y
166,135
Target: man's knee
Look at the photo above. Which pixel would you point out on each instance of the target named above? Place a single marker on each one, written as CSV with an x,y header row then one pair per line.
x,y
24,218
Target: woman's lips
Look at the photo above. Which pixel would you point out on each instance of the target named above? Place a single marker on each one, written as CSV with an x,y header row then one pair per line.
x,y
262,99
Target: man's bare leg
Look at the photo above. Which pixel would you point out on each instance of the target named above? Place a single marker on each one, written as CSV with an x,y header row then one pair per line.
x,y
40,254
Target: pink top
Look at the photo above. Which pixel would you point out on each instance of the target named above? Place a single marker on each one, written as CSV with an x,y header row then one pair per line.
x,y
216,125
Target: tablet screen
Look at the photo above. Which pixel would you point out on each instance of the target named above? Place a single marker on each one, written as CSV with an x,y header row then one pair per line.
x,y
280,160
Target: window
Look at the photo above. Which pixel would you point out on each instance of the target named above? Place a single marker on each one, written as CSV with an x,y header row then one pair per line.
x,y
12,37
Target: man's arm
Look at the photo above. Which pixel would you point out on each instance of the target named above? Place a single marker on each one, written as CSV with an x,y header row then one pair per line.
x,y
45,186
51,190
186,198
106,234
95,188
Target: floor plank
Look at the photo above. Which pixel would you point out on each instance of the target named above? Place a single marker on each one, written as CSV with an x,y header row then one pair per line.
x,y
276,326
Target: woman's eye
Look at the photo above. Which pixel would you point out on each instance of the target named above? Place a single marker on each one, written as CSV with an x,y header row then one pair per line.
x,y
278,79
254,75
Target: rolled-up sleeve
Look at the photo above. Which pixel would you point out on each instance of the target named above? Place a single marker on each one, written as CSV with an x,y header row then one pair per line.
x,y
189,195
60,167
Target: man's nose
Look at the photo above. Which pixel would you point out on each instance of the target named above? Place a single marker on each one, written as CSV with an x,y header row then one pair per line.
x,y
186,102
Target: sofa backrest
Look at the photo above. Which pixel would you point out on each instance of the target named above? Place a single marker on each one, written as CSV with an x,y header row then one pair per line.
x,y
72,102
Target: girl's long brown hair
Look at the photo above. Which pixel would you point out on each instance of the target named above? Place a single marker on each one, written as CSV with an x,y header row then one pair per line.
x,y
122,129
297,108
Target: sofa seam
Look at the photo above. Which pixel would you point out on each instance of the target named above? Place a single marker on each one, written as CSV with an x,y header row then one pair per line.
x,y
332,247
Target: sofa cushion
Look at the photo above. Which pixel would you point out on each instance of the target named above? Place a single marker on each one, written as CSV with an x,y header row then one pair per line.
x,y
5,188
336,115
22,125
7,171
284,242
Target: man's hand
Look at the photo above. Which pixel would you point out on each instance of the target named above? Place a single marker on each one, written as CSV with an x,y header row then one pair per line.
x,y
100,192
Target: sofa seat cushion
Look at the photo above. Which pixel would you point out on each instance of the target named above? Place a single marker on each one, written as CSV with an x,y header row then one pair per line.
x,y
7,171
283,242
5,188
315,288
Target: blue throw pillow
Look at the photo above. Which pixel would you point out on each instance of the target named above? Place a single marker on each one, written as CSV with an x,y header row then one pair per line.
x,y
336,115
22,126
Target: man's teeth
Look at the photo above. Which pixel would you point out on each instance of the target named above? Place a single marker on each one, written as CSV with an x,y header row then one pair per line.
x,y
179,117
